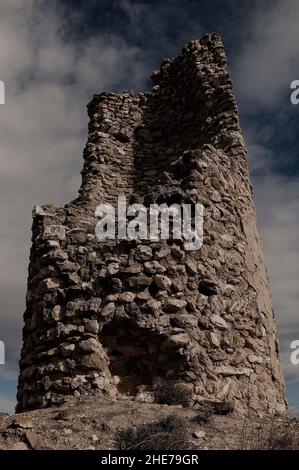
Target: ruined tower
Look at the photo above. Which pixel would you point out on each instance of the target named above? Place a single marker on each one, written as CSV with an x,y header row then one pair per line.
x,y
120,315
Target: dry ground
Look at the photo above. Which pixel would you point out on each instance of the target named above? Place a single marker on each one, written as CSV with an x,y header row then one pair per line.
x,y
92,423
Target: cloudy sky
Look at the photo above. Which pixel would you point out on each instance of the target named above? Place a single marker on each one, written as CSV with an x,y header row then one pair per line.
x,y
55,54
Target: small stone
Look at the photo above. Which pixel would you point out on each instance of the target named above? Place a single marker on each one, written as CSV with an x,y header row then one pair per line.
x,y
162,253
92,326
177,252
50,352
144,397
251,344
126,297
145,251
213,339
94,438
228,370
56,232
48,284
163,282
108,309
78,381
177,340
144,295
56,255
153,305
154,267
90,345
93,305
67,432
253,359
191,267
67,348
183,320
140,281
33,439
219,322
215,196
132,269
19,446
99,382
93,361
112,268
71,309
174,305
53,244
111,298
103,273
73,279
199,434
57,313
43,211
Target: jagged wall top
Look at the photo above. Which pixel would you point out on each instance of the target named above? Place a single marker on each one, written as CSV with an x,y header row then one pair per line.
x,y
192,104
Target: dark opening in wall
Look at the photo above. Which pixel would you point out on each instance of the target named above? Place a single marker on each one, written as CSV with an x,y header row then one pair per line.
x,y
137,356
169,199
207,288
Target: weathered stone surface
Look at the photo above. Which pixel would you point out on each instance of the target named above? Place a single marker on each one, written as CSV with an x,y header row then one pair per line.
x,y
213,339
150,310
93,361
153,267
90,345
176,341
19,446
163,282
33,439
228,370
218,321
199,434
173,305
92,326
55,232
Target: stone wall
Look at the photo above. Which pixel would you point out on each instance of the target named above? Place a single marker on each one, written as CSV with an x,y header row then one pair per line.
x,y
120,316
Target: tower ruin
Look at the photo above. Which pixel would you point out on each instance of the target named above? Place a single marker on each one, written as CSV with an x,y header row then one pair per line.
x,y
119,315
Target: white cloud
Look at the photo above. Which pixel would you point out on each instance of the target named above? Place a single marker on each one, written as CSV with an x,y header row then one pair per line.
x,y
269,62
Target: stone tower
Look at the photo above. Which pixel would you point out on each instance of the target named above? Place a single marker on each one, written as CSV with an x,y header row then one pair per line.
x,y
118,316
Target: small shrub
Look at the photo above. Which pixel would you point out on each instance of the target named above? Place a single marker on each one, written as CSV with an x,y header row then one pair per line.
x,y
169,393
271,434
167,434
205,415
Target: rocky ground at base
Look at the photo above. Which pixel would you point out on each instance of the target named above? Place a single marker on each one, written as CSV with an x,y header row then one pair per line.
x,y
96,423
